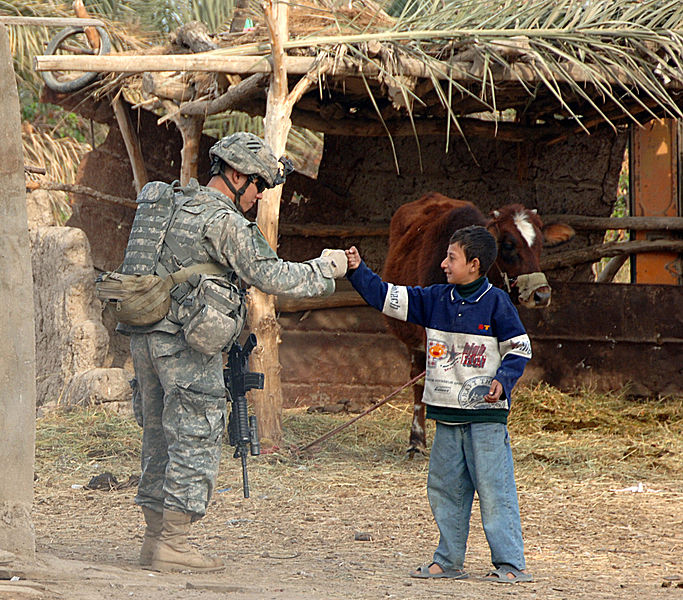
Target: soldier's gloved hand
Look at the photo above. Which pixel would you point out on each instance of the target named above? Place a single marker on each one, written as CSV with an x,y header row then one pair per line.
x,y
337,259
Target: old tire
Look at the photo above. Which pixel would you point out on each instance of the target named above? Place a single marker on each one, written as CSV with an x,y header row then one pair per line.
x,y
73,85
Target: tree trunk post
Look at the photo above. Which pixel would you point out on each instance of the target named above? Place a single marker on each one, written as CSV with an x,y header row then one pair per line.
x,y
262,320
132,143
17,329
191,131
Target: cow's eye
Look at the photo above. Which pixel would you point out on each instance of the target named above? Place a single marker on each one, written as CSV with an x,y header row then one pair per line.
x,y
507,246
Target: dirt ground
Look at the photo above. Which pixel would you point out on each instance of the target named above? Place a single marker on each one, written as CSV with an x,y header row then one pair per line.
x,y
295,537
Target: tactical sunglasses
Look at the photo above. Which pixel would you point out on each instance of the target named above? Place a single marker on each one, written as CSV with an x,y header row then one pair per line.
x,y
259,182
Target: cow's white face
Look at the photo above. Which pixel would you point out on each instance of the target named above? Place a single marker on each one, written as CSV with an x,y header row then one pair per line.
x,y
519,232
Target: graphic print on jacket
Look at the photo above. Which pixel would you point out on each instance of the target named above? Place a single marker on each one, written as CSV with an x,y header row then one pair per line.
x,y
461,367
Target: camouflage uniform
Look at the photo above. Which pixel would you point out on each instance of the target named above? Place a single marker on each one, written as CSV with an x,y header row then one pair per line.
x,y
179,395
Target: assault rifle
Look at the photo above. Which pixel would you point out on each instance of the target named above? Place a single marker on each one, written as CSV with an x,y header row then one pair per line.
x,y
242,429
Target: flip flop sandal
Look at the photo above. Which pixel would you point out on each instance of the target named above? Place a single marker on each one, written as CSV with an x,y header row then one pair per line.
x,y
500,575
423,573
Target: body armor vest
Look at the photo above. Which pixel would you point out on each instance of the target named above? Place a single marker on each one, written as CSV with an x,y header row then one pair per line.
x,y
166,236
152,218
167,228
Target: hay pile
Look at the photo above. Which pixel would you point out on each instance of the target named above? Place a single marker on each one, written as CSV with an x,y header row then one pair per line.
x,y
555,435
355,516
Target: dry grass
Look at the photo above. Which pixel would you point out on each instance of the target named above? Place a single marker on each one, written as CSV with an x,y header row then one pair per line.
x,y
59,156
579,436
295,537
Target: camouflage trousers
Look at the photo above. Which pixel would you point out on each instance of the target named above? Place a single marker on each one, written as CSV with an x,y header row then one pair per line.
x,y
179,400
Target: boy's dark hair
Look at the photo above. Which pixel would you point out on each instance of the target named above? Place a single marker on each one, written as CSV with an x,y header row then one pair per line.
x,y
477,242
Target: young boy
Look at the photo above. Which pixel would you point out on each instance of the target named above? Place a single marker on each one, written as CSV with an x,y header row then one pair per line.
x,y
476,351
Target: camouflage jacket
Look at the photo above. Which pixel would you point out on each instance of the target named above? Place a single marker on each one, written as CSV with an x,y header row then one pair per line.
x,y
211,228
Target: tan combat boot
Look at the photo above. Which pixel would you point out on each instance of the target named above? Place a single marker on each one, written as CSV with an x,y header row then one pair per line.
x,y
153,519
174,553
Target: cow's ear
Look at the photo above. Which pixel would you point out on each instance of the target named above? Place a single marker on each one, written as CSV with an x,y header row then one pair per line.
x,y
557,233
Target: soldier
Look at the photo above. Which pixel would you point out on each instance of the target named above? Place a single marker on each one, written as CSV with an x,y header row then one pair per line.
x,y
178,390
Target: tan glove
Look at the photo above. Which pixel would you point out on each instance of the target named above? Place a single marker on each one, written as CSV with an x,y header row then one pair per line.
x,y
337,259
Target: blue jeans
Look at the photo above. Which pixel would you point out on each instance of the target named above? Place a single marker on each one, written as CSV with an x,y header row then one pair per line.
x,y
465,458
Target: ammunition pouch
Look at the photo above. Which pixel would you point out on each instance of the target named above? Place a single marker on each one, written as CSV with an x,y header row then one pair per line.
x,y
212,314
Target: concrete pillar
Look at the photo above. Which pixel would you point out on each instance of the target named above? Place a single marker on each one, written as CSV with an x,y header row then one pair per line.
x,y
17,329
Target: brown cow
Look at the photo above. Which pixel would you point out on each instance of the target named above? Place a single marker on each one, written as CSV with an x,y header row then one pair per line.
x,y
418,241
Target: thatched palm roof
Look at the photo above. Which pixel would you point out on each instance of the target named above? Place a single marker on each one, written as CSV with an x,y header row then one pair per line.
x,y
558,65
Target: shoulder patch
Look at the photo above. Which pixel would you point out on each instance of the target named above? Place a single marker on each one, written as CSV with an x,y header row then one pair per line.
x,y
261,245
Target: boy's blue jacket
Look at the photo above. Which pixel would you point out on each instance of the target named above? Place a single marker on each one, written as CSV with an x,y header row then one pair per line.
x,y
470,341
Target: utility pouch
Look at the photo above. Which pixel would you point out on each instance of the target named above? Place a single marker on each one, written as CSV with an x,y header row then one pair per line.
x,y
134,299
213,315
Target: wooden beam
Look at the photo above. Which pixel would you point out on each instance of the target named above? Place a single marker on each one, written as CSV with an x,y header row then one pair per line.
x,y
611,268
204,62
576,221
594,253
342,231
604,223
168,86
80,189
299,65
130,138
336,300
355,127
51,21
232,99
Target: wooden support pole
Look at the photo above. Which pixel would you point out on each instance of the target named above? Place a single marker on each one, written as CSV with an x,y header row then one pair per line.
x,y
132,143
17,332
51,21
191,131
593,253
604,223
262,319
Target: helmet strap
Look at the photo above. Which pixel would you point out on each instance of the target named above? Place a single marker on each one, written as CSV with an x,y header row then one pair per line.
x,y
237,193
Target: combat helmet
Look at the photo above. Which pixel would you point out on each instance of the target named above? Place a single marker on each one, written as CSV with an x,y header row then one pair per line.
x,y
250,155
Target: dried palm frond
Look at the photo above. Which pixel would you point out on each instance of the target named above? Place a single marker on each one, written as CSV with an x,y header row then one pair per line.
x,y
583,54
59,156
28,41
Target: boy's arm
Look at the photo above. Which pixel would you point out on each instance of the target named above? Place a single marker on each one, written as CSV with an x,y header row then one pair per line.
x,y
513,344
399,302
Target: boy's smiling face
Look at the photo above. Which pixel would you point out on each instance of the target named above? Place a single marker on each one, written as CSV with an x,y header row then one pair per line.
x,y
458,270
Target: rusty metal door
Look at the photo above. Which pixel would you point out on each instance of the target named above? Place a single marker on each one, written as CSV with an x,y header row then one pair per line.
x,y
655,173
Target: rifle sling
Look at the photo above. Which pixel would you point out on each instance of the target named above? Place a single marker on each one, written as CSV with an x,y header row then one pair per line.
x,y
182,275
